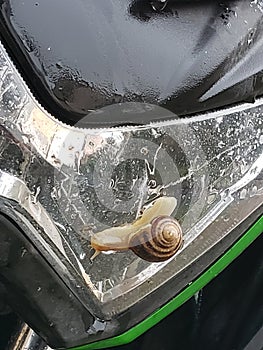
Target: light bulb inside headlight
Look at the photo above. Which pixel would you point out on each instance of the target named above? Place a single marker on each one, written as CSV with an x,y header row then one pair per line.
x,y
104,206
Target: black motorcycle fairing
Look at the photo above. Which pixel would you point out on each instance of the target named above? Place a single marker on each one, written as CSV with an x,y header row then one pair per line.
x,y
83,55
36,292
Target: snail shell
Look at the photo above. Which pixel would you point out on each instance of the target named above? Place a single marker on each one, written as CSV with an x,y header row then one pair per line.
x,y
155,225
158,241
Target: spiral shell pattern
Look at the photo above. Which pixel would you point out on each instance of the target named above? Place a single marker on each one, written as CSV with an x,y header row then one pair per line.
x,y
158,241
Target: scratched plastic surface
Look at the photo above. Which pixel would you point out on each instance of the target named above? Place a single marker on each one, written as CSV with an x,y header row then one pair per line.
x,y
87,180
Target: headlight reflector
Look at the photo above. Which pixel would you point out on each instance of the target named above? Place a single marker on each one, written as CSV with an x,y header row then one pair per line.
x,y
66,185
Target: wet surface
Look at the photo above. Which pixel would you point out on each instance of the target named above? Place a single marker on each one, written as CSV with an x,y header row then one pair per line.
x,y
232,300
186,56
80,182
226,314
101,63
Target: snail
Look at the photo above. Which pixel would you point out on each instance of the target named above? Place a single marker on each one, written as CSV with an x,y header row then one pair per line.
x,y
154,237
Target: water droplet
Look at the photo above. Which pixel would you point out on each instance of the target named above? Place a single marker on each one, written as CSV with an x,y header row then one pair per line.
x,y
112,183
82,256
144,151
221,144
152,184
59,65
196,296
211,198
243,193
254,190
23,252
159,5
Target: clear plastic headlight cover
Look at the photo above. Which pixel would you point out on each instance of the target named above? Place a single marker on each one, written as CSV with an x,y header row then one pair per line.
x,y
65,185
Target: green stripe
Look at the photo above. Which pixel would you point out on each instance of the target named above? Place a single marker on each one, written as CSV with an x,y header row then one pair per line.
x,y
186,294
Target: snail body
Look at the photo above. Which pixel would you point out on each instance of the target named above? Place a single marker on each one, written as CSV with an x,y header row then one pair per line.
x,y
155,236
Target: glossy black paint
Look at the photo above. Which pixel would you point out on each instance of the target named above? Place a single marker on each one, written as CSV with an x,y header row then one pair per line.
x,y
83,55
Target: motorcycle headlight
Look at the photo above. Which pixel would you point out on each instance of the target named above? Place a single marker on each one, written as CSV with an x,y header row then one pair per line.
x,y
99,205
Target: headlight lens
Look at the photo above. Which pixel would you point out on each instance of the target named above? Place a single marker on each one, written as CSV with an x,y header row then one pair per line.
x,y
65,185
